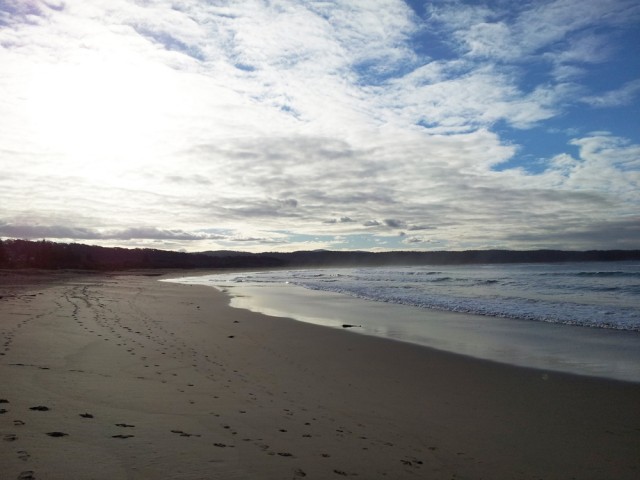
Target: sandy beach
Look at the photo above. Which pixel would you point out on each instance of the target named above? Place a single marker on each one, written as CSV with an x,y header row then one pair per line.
x,y
118,376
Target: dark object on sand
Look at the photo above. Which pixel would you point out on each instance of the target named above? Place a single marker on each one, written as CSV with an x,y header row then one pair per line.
x,y
86,415
57,434
40,408
348,325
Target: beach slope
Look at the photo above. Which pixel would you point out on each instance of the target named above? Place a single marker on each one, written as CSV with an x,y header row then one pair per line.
x,y
126,377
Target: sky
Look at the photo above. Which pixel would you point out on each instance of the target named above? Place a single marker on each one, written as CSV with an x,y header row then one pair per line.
x,y
299,125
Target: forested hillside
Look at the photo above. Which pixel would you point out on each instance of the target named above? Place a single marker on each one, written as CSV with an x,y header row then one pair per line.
x,y
15,254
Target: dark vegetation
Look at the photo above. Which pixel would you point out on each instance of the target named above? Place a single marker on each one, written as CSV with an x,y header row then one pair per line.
x,y
18,254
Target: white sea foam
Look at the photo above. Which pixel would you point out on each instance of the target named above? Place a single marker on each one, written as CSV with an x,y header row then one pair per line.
x,y
584,294
526,315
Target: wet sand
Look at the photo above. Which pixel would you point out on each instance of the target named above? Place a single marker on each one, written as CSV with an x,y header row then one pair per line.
x,y
126,377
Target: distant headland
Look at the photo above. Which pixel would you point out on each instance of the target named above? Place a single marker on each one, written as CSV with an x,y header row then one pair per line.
x,y
21,254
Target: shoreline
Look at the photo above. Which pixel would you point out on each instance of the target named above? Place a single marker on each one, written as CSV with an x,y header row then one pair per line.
x,y
579,350
211,391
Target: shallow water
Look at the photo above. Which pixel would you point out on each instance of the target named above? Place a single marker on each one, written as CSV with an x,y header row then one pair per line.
x,y
604,295
520,315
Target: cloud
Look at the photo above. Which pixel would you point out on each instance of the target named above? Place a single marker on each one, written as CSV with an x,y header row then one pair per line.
x,y
289,202
414,228
63,232
474,96
623,233
168,41
155,233
393,223
258,240
231,122
34,231
414,241
513,32
615,98
605,150
25,11
189,179
497,40
333,221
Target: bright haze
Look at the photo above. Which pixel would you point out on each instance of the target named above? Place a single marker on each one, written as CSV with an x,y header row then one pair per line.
x,y
348,124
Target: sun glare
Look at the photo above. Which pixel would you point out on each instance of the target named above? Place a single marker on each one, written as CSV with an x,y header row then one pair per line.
x,y
98,116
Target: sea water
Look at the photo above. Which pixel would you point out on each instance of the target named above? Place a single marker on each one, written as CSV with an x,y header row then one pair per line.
x,y
575,317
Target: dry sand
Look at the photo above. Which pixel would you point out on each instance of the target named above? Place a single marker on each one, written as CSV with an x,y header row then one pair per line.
x,y
137,378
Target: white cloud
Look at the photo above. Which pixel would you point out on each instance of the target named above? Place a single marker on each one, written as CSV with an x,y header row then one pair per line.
x,y
477,98
508,31
615,98
64,232
162,120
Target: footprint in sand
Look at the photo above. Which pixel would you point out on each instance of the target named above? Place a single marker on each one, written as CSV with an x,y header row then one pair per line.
x,y
121,436
10,437
86,415
57,434
40,408
27,475
23,455
124,425
184,434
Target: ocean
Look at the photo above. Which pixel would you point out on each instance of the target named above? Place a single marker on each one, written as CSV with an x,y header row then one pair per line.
x,y
579,318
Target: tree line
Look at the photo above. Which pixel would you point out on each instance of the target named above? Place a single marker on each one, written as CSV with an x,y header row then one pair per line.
x,y
21,254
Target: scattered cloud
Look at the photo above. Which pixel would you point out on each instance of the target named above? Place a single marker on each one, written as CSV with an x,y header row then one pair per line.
x,y
615,98
63,232
393,223
619,234
517,32
204,125
414,228
332,221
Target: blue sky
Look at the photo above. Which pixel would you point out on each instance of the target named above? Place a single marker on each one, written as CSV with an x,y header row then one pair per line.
x,y
286,125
